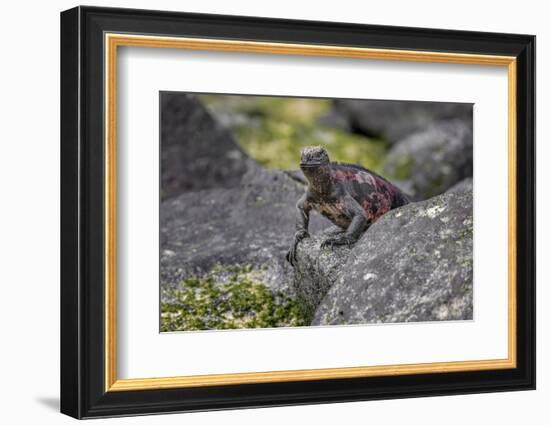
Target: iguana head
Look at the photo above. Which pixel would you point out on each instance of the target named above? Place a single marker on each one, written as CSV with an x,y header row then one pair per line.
x,y
313,156
314,163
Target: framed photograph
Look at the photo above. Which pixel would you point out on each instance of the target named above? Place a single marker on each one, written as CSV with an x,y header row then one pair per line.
x,y
261,212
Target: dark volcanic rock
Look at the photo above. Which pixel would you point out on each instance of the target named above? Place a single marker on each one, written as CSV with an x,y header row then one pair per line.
x,y
197,152
251,223
394,120
414,264
429,162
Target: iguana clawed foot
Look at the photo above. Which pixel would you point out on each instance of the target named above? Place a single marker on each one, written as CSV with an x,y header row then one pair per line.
x,y
335,231
291,254
341,239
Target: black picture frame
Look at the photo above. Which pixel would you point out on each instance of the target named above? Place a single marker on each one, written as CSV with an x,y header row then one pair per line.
x,y
83,392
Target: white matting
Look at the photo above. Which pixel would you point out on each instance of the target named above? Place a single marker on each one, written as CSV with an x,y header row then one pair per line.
x,y
144,352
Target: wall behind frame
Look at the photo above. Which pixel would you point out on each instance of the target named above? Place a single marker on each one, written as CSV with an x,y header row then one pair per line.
x,y
29,219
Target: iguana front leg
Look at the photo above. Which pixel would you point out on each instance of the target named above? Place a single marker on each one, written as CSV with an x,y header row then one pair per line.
x,y
356,228
302,223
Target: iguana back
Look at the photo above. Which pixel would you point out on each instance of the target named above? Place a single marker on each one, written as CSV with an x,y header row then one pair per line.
x,y
373,192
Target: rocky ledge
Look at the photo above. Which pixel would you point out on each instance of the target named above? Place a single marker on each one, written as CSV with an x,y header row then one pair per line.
x,y
414,264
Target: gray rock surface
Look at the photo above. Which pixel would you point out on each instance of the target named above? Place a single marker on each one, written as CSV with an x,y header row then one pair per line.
x,y
317,269
394,120
431,161
463,186
196,152
297,175
414,264
251,223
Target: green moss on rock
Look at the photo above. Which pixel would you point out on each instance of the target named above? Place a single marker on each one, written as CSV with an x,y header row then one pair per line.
x,y
437,186
278,145
228,298
276,129
403,168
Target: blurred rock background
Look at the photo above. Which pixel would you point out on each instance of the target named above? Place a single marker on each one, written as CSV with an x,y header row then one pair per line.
x,y
229,185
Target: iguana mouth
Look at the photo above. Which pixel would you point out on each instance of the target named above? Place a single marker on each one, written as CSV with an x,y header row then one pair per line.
x,y
310,164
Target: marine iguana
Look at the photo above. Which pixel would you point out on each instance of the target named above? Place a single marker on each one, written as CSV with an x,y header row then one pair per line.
x,y
349,195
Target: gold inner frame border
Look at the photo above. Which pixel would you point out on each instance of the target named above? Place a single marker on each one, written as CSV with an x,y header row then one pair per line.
x,y
111,43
